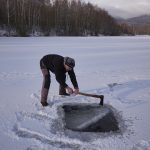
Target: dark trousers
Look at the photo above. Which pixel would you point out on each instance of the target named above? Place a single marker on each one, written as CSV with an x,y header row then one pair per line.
x,y
46,83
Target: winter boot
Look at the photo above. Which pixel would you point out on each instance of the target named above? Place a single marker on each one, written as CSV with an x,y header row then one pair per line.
x,y
44,104
62,91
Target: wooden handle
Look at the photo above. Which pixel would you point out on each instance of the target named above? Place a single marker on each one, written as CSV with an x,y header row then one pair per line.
x,y
96,96
91,95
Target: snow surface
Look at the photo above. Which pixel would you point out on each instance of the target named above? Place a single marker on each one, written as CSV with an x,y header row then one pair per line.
x,y
118,67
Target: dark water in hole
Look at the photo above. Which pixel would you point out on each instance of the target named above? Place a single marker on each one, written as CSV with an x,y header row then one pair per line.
x,y
89,118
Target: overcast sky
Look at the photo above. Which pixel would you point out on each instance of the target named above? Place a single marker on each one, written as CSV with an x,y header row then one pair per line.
x,y
124,8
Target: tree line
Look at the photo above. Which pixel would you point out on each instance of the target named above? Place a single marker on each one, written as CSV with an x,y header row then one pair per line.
x,y
140,29
57,17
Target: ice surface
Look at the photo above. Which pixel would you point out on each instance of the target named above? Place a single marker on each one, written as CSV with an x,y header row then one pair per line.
x,y
118,67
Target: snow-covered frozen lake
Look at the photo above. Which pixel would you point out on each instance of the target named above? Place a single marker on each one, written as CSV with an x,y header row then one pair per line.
x,y
118,67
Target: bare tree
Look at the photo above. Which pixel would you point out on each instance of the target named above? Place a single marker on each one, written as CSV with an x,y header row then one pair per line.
x,y
65,17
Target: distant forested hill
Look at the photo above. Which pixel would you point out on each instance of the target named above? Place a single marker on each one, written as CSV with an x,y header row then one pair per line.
x,y
138,25
56,17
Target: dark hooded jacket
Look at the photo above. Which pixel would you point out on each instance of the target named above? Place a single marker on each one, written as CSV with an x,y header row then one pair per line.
x,y
55,63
